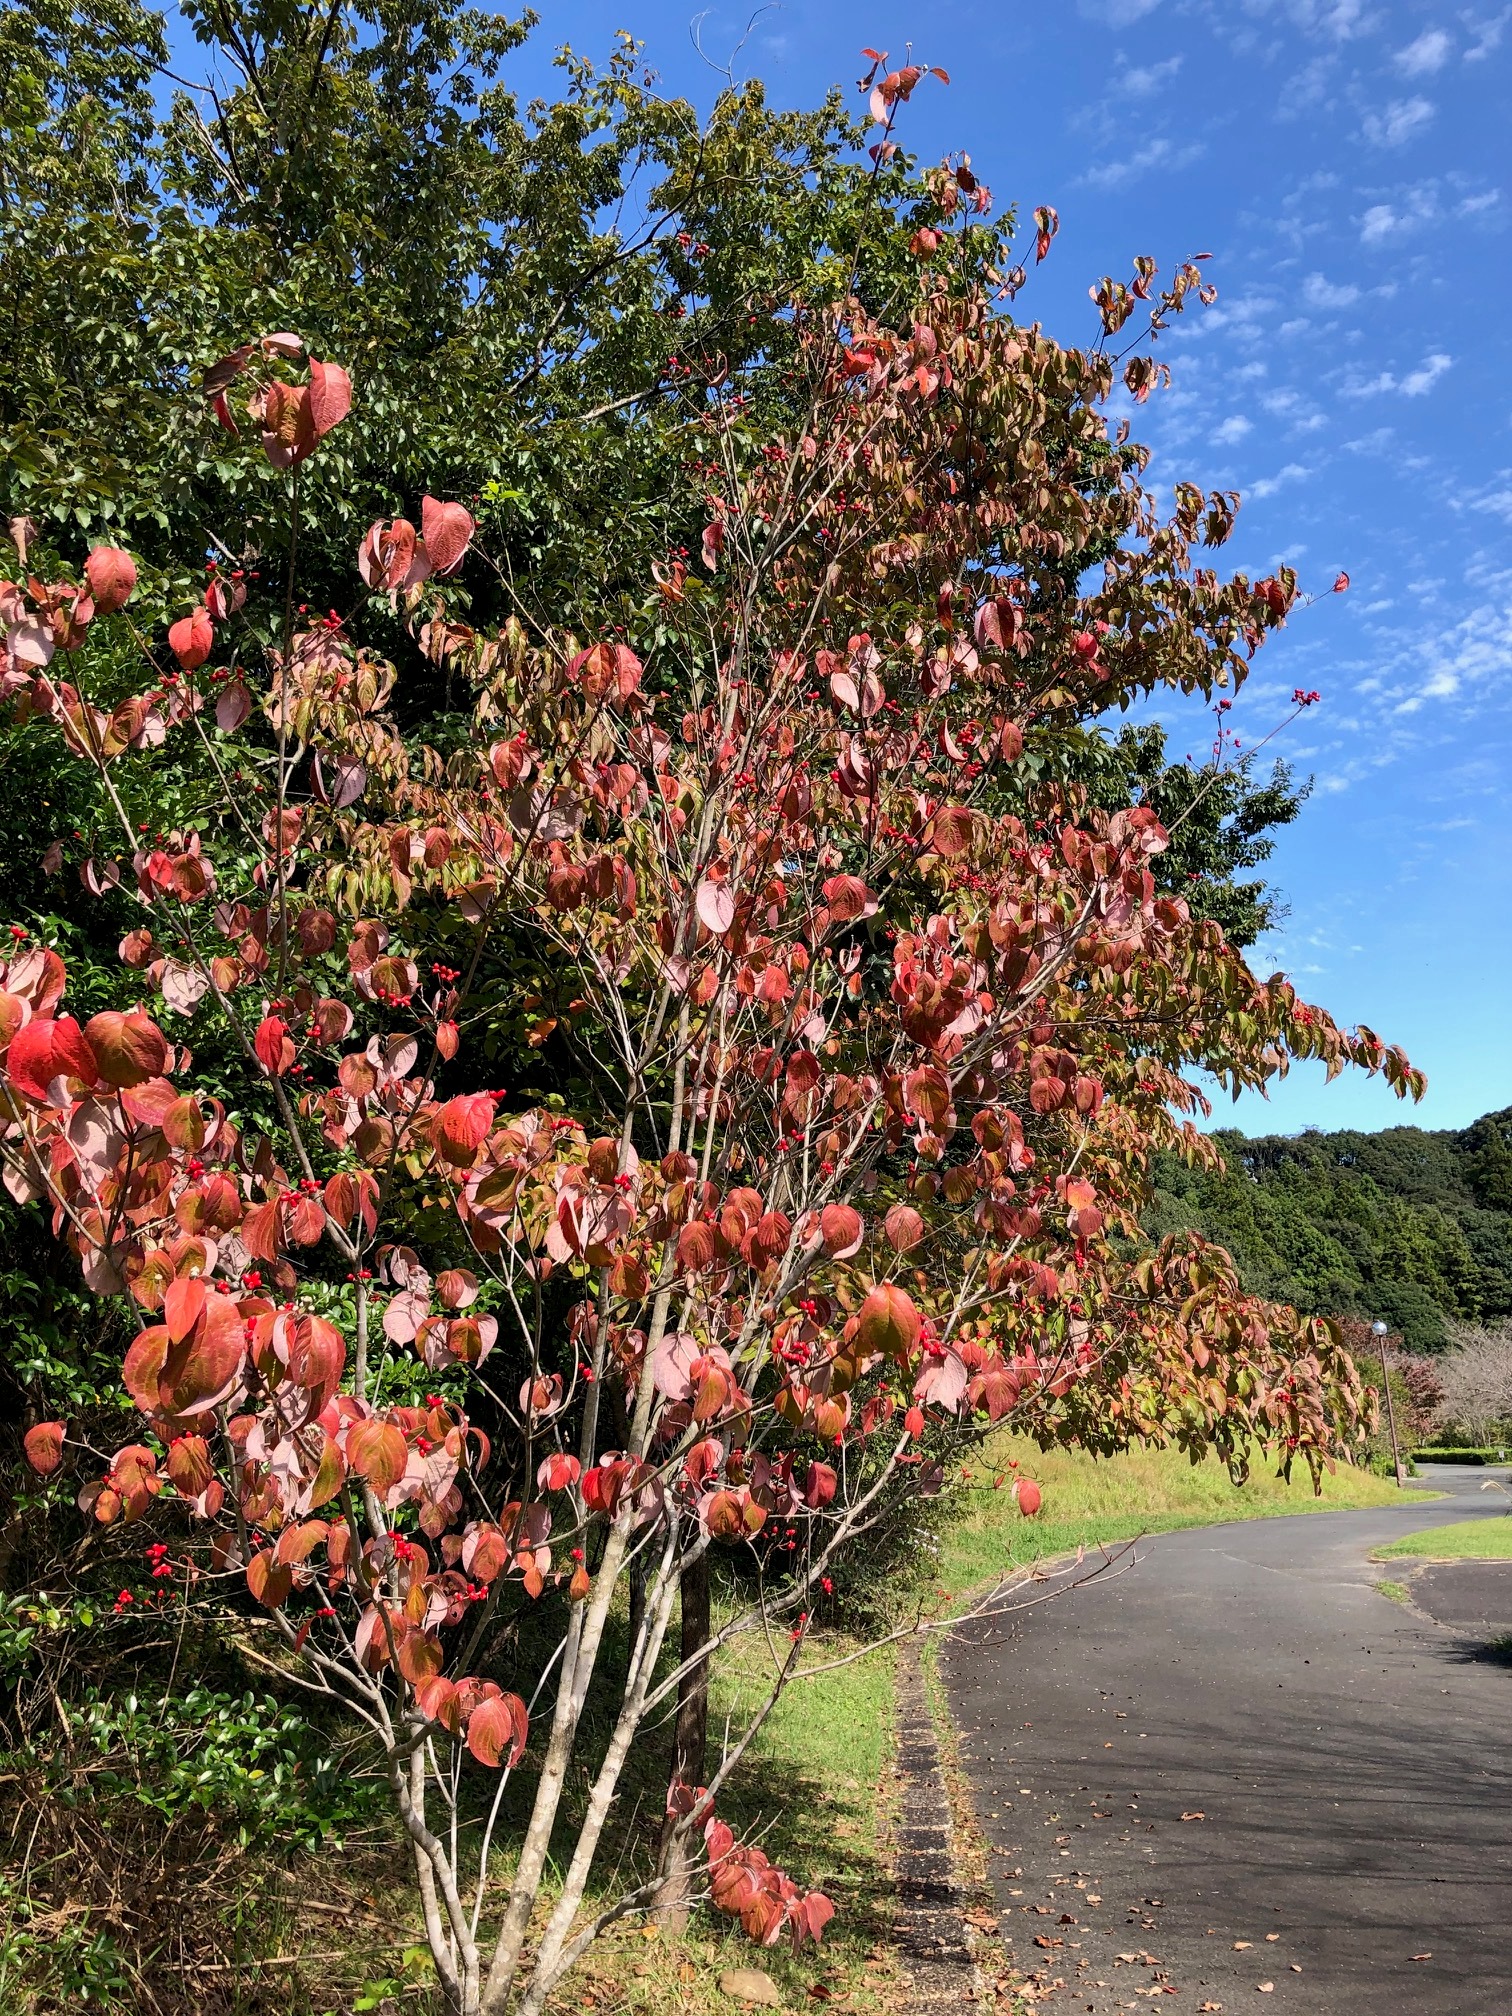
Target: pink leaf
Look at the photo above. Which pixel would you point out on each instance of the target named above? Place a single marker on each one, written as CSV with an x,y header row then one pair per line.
x,y
330,398
716,907
232,707
447,530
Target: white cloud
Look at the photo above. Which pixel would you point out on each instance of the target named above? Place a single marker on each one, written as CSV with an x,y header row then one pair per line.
x,y
1269,485
1319,293
1300,414
1162,154
1397,122
1428,53
1408,211
1149,77
1489,33
1412,386
1118,13
1427,375
1233,429
1477,206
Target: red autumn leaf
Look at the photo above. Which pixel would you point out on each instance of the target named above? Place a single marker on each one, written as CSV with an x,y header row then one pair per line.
x,y
233,705
29,1061
461,1127
111,574
438,1698
447,530
183,1306
819,1486
129,1048
497,1730
419,1657
204,1367
842,1229
904,1228
848,897
262,1230
713,545
192,638
951,831
44,1446
889,1322
274,1050
190,1469
270,1581
330,397
1026,1495
377,1451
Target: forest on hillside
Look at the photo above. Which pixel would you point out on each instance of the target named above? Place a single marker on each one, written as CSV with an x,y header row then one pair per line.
x,y
1409,1225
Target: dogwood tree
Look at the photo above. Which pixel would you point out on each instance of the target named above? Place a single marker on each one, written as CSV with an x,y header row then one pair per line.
x,y
874,1028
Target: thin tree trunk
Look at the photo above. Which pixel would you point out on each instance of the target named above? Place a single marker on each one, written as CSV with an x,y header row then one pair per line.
x,y
690,1738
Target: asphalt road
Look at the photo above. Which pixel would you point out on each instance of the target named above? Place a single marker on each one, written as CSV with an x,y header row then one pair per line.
x,y
1236,1738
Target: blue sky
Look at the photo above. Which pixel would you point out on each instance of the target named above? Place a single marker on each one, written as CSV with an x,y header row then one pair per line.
x,y
1347,166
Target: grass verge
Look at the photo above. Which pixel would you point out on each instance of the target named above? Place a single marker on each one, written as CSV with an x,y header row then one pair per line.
x,y
1088,1501
1469,1540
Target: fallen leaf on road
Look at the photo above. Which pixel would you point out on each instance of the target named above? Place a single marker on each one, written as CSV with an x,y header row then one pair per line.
x,y
1066,1918
1194,1816
1271,1938
1265,1987
1419,1956
1243,1945
1041,1940
1210,2008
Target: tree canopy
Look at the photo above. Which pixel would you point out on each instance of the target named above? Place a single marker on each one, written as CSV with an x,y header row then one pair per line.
x,y
1411,1226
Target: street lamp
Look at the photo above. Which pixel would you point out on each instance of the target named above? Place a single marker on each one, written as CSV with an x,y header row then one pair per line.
x,y
1378,1331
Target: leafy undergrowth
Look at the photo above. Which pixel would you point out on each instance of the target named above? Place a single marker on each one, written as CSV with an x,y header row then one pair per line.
x,y
1468,1540
205,1859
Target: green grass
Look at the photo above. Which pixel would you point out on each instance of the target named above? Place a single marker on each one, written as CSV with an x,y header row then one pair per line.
x,y
1394,1592
1089,1501
1468,1540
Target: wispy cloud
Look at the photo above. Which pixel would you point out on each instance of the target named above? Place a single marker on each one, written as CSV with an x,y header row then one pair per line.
x,y
1488,34
1160,153
1422,57
1294,472
1147,78
1118,13
1407,211
1396,123
1413,386
1233,429
1320,293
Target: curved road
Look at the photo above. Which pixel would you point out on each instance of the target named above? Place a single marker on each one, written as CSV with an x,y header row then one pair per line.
x,y
1346,1759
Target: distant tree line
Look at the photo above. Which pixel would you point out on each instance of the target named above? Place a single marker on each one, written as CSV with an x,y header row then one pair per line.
x,y
1408,1225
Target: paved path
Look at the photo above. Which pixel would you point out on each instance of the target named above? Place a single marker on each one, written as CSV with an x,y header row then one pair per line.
x,y
1350,1758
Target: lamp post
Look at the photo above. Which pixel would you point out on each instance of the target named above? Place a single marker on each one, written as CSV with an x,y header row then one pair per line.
x,y
1378,1331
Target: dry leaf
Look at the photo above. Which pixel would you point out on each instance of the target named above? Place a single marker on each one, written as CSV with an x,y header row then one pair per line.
x,y
1194,1816
1271,1938
1265,1987
1419,1956
1210,2008
1243,1945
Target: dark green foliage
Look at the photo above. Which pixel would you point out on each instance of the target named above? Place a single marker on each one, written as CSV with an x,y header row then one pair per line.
x,y
1407,1225
1221,823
